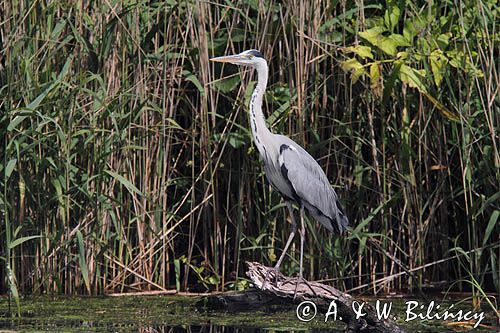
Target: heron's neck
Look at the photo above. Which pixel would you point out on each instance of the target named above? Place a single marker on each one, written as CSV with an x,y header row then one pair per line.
x,y
260,131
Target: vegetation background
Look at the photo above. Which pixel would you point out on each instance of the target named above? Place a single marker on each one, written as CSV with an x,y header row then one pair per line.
x,y
127,162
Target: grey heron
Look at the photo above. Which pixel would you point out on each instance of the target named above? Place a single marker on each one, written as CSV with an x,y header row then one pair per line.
x,y
290,170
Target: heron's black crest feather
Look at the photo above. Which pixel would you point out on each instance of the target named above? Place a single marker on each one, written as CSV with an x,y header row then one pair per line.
x,y
256,53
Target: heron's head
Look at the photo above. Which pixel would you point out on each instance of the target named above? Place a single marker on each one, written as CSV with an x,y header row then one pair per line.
x,y
251,58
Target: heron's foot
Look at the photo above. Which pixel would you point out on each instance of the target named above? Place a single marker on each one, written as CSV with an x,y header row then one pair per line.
x,y
272,272
300,280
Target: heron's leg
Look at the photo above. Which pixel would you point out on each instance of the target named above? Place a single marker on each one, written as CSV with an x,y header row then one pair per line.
x,y
290,238
302,238
287,245
302,233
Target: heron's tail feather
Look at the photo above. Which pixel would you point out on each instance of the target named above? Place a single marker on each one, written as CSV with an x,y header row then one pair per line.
x,y
343,223
342,220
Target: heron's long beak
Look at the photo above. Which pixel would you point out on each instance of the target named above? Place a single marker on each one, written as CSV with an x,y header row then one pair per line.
x,y
232,58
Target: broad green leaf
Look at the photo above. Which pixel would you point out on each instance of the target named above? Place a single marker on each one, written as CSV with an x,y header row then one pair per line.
x,y
361,50
277,115
411,77
214,280
229,84
193,79
388,46
82,261
357,73
402,55
354,66
443,40
437,61
399,40
375,37
409,31
391,17
351,65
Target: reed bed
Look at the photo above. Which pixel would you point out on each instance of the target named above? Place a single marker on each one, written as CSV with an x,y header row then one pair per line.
x,y
127,162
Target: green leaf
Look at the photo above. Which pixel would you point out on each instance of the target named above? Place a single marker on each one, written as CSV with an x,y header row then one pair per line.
x,y
399,40
443,40
361,50
82,261
443,109
192,78
173,124
228,84
36,102
411,77
278,113
236,140
391,17
21,240
16,121
357,73
494,268
369,218
388,46
491,225
177,268
409,31
9,168
375,37
125,182
437,61
350,65
214,280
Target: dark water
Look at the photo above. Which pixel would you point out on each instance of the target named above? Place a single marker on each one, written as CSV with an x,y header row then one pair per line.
x,y
179,314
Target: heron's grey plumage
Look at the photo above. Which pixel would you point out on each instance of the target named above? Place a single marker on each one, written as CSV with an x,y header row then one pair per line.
x,y
289,168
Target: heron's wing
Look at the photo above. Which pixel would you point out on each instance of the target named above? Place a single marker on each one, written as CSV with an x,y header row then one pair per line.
x,y
312,186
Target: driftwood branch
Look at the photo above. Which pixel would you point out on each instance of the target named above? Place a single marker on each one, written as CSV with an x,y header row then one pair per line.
x,y
321,295
280,290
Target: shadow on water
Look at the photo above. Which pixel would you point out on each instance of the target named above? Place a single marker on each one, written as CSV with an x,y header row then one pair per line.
x,y
173,314
66,326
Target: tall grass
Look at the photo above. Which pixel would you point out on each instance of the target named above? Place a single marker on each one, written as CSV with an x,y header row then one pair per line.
x,y
127,163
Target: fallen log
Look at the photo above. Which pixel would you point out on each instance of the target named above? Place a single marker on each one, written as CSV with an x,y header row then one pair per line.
x,y
322,296
281,290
